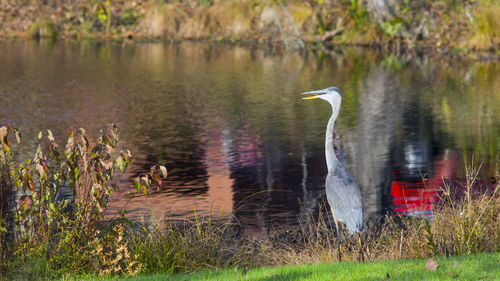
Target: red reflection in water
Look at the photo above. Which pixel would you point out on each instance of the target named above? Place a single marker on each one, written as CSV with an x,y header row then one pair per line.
x,y
413,198
420,197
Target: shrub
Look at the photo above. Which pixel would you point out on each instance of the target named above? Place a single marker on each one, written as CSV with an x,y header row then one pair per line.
x,y
58,217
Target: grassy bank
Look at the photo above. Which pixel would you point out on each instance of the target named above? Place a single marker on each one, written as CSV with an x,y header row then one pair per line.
x,y
456,27
45,235
474,267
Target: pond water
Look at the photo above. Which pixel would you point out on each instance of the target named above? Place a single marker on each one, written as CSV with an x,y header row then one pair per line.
x,y
231,127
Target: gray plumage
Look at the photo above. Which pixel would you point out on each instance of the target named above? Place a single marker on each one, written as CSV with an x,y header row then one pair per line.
x,y
342,192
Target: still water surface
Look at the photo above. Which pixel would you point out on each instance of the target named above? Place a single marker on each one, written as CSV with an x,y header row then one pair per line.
x,y
235,135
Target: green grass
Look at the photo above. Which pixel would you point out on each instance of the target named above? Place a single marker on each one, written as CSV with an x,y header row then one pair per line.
x,y
473,267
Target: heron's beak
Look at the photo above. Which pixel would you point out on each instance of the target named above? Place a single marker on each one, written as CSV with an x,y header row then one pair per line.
x,y
316,93
310,98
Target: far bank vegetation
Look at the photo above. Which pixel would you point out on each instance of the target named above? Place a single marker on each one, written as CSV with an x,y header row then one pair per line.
x,y
457,26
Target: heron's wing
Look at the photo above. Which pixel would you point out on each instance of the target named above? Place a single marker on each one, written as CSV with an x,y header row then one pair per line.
x,y
344,196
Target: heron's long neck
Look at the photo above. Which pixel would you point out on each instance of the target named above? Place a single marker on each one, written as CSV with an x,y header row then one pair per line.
x,y
329,148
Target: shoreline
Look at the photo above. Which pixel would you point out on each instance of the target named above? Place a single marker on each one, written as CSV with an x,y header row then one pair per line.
x,y
407,53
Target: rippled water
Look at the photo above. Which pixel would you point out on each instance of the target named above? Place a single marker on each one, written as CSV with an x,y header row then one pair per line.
x,y
235,135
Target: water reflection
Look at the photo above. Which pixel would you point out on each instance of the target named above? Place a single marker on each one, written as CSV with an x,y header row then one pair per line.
x,y
229,124
413,192
382,103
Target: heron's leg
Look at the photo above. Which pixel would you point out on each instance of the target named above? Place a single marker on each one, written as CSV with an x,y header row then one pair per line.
x,y
339,252
336,222
361,250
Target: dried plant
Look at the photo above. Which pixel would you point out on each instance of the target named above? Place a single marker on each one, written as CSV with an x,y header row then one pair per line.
x,y
113,254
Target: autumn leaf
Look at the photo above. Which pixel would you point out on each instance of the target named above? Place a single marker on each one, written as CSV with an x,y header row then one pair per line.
x,y
50,136
431,264
41,171
18,136
163,171
120,163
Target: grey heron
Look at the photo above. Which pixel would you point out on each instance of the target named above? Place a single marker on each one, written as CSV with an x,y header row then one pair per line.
x,y
342,192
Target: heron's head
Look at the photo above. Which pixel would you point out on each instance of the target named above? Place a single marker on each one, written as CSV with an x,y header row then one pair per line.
x,y
331,94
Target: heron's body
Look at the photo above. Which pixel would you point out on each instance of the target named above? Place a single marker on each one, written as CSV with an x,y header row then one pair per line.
x,y
342,192
344,197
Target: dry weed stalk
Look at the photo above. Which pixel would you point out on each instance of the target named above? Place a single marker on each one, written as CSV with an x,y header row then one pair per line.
x,y
114,255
